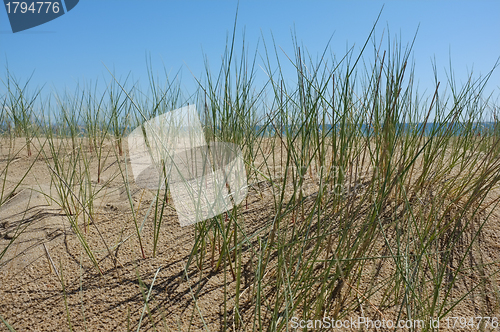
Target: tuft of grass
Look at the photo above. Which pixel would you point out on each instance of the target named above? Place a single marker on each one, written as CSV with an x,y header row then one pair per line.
x,y
371,197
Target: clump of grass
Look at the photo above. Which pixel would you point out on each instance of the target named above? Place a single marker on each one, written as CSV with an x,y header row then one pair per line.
x,y
397,209
20,105
15,112
375,196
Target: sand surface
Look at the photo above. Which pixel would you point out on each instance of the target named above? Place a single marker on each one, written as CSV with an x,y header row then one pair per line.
x,y
32,297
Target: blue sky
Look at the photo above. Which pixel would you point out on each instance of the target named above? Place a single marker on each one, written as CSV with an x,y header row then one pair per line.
x,y
178,34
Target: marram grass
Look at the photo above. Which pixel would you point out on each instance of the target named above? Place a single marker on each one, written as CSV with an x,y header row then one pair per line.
x,y
374,199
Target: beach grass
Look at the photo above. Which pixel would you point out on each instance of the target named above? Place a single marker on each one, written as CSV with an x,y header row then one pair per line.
x,y
366,197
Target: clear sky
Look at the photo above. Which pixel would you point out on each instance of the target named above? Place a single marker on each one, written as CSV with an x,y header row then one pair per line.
x,y
177,34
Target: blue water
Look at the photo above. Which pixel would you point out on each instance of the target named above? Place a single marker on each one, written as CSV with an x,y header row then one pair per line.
x,y
455,129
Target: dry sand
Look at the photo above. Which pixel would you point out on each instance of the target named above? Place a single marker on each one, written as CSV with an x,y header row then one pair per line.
x,y
32,297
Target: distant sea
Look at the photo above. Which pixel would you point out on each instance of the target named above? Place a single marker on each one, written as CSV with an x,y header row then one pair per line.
x,y
455,129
